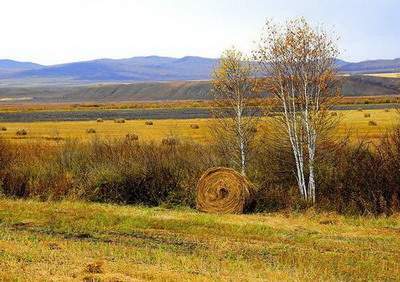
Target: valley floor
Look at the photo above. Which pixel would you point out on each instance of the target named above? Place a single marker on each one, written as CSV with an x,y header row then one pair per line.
x,y
42,241
355,123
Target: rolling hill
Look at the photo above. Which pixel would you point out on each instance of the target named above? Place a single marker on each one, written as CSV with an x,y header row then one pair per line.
x,y
357,85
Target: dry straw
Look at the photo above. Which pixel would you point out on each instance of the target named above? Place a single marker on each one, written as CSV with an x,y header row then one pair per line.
x,y
22,132
132,137
223,190
90,130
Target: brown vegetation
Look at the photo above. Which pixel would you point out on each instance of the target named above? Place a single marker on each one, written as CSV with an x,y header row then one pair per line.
x,y
352,179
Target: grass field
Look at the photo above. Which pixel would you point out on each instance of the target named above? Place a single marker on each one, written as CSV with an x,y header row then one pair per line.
x,y
353,121
390,75
98,242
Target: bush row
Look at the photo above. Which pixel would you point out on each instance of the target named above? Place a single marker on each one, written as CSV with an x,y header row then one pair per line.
x,y
352,179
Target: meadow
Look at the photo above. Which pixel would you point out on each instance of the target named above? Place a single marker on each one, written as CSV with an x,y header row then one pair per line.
x,y
357,123
77,241
92,205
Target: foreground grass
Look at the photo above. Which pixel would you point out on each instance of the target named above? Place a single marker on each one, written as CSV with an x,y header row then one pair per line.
x,y
354,122
82,241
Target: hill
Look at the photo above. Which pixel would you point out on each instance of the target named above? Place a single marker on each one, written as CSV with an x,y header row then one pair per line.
x,y
358,85
142,69
8,67
152,68
372,66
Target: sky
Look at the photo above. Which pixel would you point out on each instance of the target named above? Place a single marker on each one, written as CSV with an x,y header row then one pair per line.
x,y
60,31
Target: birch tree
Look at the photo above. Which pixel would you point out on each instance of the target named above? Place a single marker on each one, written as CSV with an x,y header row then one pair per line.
x,y
298,62
233,89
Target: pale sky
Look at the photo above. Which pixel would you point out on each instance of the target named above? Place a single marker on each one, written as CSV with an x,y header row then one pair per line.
x,y
59,31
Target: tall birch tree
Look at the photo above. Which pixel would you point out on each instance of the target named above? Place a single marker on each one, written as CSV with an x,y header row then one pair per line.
x,y
298,62
233,89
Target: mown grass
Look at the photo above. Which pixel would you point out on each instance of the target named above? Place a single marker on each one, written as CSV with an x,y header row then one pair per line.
x,y
352,121
81,241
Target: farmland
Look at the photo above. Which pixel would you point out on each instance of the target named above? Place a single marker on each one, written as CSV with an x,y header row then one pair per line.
x,y
100,242
354,122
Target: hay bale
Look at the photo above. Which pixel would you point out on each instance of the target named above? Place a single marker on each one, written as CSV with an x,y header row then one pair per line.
x,y
22,132
99,120
148,122
132,137
372,123
119,120
334,114
387,110
194,126
367,115
90,130
170,141
3,128
360,109
224,190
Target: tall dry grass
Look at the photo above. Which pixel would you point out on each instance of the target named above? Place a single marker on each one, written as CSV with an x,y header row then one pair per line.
x,y
351,179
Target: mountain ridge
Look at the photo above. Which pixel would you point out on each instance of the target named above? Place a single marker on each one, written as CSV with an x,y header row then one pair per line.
x,y
144,69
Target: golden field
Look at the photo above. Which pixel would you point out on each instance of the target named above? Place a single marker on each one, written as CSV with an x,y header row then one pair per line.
x,y
389,75
353,122
75,241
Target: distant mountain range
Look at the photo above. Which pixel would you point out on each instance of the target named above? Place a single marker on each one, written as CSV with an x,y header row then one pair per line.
x,y
142,69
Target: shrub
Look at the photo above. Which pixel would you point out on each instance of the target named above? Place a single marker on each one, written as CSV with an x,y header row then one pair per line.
x,y
367,115
148,122
119,120
351,178
90,130
194,126
372,123
22,132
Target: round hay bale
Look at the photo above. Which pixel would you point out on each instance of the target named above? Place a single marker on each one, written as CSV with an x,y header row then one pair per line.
x,y
90,130
22,132
194,126
132,137
224,190
149,122
170,141
99,120
119,120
